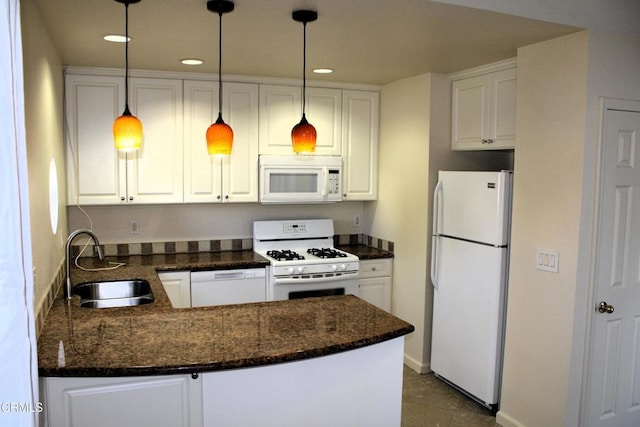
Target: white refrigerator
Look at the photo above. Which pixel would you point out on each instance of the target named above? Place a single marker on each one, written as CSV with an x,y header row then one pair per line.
x,y
469,270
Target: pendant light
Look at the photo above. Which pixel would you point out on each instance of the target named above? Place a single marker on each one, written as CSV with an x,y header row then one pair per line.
x,y
219,134
127,129
303,135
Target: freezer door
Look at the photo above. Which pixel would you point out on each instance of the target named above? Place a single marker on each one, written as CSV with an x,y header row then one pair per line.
x,y
468,316
474,206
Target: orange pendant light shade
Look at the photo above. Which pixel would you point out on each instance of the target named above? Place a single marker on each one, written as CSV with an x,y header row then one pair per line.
x,y
127,132
303,137
219,138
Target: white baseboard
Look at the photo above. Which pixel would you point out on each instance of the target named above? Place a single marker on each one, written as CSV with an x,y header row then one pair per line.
x,y
417,366
505,420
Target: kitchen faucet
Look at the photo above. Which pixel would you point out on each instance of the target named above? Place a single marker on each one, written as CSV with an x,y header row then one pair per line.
x,y
96,249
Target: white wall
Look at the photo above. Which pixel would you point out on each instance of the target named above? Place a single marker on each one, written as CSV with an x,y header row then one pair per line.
x,y
43,112
552,82
167,223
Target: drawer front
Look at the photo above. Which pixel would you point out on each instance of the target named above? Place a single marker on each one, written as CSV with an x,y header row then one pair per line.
x,y
375,268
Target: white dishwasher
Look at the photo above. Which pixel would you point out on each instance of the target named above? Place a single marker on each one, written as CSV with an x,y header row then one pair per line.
x,y
220,287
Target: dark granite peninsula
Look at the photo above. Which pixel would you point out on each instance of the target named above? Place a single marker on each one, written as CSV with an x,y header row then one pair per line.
x,y
272,363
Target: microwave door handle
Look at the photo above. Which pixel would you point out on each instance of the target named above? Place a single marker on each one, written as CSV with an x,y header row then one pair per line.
x,y
325,182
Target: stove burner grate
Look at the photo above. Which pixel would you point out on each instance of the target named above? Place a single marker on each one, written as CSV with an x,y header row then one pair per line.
x,y
284,255
326,253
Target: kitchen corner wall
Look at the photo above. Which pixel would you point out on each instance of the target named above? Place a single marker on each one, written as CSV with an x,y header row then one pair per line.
x,y
210,221
43,91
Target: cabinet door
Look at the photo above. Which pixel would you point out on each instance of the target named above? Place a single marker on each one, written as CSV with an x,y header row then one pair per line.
x,y
177,285
470,106
502,116
484,111
240,169
281,110
324,112
360,144
95,173
377,291
170,400
202,172
154,173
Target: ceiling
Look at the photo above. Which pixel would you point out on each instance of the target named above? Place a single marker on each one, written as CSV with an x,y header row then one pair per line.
x,y
364,41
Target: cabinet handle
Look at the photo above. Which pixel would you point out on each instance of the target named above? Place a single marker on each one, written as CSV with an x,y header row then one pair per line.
x,y
487,141
226,197
122,199
130,198
373,269
194,375
218,197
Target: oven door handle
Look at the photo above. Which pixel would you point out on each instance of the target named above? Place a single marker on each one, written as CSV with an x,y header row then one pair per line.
x,y
312,280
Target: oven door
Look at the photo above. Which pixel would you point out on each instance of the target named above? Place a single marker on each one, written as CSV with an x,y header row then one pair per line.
x,y
283,288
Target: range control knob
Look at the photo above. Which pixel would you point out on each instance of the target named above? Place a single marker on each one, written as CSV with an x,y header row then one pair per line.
x,y
334,267
290,270
300,269
343,266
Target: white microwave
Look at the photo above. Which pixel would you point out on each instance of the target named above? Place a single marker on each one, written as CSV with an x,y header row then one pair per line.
x,y
300,179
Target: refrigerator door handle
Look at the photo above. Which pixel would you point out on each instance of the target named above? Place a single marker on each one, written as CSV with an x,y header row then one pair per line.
x,y
434,262
436,207
434,239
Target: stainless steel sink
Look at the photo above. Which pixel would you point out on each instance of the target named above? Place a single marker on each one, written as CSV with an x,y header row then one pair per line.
x,y
116,293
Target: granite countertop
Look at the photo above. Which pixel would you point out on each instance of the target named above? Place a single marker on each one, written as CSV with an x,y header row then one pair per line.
x,y
365,252
157,339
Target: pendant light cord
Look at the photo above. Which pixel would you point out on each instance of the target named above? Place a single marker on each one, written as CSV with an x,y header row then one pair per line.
x,y
126,59
220,67
304,65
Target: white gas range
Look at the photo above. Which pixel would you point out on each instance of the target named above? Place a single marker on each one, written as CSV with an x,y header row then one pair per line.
x,y
304,262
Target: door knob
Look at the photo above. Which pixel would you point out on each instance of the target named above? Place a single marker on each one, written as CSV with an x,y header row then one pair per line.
x,y
603,307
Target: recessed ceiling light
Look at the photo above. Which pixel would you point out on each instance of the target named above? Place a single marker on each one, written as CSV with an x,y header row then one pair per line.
x,y
192,61
323,70
116,38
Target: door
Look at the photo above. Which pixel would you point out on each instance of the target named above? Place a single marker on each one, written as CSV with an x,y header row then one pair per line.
x,y
613,385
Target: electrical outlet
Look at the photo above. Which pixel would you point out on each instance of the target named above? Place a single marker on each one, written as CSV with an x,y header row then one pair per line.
x,y
134,228
357,221
547,260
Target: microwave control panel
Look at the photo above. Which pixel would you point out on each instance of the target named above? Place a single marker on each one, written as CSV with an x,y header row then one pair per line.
x,y
334,182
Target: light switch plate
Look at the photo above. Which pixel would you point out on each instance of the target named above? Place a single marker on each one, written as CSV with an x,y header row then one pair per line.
x,y
547,260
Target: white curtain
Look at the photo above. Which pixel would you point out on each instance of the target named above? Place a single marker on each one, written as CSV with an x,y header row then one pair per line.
x,y
18,357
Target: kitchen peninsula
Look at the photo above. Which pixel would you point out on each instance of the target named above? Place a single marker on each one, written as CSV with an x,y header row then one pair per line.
x,y
317,361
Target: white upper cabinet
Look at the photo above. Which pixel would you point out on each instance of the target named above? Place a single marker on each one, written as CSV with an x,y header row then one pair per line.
x,y
360,112
220,179
154,173
484,110
173,165
281,110
97,174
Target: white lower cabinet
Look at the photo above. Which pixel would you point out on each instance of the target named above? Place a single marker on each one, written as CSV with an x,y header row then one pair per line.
x,y
177,285
159,401
375,282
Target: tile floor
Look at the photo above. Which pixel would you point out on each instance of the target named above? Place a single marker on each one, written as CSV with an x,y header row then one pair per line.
x,y
427,401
